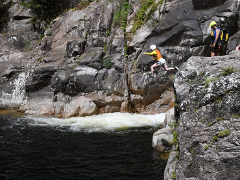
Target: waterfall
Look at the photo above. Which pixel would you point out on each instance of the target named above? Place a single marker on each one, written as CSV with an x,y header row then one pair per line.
x,y
18,95
19,92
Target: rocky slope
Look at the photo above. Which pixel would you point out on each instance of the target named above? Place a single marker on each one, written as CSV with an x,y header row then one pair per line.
x,y
86,57
208,117
87,63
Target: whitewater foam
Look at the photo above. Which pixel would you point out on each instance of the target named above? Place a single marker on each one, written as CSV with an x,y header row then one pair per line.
x,y
96,123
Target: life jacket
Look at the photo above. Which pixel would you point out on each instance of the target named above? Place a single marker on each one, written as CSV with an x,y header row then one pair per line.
x,y
213,35
158,56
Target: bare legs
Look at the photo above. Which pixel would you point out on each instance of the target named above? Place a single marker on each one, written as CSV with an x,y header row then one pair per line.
x,y
168,69
165,67
152,68
214,54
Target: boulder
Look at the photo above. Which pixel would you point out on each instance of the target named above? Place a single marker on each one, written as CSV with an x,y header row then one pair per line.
x,y
40,103
75,47
207,113
162,139
80,106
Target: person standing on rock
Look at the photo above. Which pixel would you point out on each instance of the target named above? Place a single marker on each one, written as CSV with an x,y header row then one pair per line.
x,y
158,57
215,43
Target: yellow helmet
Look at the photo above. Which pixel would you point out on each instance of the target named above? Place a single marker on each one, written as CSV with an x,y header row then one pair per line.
x,y
212,23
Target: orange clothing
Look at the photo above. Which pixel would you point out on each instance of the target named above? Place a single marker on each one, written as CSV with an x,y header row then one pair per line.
x,y
156,54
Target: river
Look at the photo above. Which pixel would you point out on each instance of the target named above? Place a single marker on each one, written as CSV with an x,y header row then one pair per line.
x,y
109,146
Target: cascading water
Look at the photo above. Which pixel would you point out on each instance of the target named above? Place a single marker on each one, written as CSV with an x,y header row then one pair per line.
x,y
99,123
18,95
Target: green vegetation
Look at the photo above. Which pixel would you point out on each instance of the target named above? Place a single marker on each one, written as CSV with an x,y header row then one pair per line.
x,y
215,137
219,118
172,125
141,15
107,63
191,151
174,175
4,16
120,17
207,82
83,5
47,10
201,120
210,124
219,100
227,71
235,116
175,139
221,134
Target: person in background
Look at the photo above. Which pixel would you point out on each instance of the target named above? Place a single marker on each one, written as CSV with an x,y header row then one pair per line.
x,y
215,43
158,57
238,47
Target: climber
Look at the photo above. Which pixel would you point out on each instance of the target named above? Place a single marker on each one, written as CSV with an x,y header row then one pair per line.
x,y
158,57
238,47
215,44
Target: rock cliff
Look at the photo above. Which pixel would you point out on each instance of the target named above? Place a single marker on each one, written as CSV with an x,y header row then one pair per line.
x,y
90,60
208,120
94,55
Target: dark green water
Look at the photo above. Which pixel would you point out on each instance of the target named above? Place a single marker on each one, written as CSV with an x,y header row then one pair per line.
x,y
37,153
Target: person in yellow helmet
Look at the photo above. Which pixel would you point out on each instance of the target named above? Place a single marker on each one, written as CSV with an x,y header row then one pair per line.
x,y
158,57
215,43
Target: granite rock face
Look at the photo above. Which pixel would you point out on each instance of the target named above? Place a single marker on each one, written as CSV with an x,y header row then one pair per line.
x,y
86,53
208,117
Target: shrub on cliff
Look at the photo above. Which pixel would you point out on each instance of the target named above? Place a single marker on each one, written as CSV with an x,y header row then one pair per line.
x,y
47,10
4,17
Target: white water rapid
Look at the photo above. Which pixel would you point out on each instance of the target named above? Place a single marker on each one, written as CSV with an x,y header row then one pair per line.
x,y
99,123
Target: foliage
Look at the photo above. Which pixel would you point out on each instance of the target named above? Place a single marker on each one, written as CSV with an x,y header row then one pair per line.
x,y
219,118
172,125
210,124
227,71
173,175
234,116
207,82
120,17
4,17
215,137
47,10
175,139
141,15
191,151
107,63
83,5
221,134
